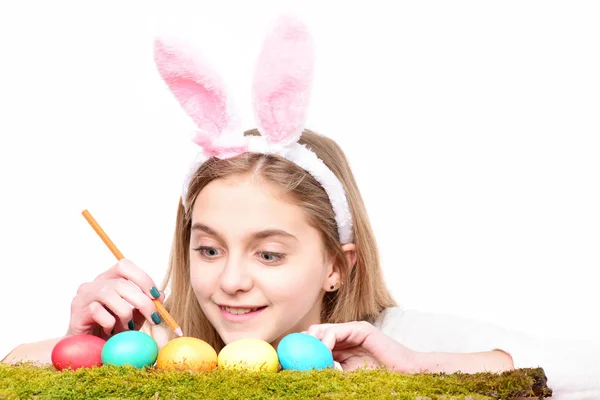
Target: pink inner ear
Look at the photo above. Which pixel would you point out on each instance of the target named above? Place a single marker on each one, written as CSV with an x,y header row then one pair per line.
x,y
196,87
282,81
199,103
282,112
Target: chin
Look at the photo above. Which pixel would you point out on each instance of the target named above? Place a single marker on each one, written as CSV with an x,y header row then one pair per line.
x,y
229,336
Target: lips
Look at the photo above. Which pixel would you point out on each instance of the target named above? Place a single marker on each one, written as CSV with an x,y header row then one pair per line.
x,y
239,310
241,313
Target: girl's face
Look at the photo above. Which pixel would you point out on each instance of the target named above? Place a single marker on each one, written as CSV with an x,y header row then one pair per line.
x,y
257,267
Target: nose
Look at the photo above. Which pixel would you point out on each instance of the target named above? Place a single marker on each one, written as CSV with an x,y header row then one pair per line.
x,y
235,276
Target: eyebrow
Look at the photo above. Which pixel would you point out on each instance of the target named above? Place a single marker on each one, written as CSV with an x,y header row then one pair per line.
x,y
254,236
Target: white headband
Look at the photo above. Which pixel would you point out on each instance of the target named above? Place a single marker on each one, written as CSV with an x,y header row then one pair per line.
x,y
281,91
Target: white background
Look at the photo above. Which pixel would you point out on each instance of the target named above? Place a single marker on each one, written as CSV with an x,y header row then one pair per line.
x,y
472,128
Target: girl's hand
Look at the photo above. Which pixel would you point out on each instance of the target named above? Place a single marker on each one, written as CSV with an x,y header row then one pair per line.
x,y
111,303
361,345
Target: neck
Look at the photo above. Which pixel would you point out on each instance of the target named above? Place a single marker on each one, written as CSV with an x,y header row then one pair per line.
x,y
313,317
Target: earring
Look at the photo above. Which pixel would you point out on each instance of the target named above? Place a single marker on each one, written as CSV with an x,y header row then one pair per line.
x,y
331,287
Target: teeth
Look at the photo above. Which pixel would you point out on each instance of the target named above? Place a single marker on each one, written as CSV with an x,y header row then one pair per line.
x,y
239,311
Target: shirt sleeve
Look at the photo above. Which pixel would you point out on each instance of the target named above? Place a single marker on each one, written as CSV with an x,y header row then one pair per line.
x,y
572,369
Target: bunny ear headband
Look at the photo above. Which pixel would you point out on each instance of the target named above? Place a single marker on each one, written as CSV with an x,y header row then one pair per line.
x,y
281,89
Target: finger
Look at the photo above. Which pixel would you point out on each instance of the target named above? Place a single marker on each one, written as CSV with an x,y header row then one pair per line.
x,y
317,330
81,298
101,291
345,335
329,339
114,303
95,313
342,356
134,296
128,270
326,333
138,320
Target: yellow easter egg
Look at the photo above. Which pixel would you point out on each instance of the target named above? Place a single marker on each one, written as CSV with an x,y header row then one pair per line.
x,y
187,353
249,354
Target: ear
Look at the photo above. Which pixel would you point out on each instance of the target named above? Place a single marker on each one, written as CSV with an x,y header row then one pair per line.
x,y
334,277
351,256
282,80
198,89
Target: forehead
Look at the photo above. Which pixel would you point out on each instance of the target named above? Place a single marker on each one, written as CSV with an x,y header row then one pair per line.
x,y
243,203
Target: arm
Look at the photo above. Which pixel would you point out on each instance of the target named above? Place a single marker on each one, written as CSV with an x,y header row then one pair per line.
x,y
491,361
449,336
91,315
360,344
38,352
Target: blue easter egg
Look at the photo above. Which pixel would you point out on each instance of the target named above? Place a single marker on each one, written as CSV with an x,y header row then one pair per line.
x,y
303,352
130,348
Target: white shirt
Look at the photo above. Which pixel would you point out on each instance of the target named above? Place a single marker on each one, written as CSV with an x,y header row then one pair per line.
x,y
572,369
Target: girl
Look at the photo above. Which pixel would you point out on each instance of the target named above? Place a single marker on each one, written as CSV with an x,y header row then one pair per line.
x,y
272,237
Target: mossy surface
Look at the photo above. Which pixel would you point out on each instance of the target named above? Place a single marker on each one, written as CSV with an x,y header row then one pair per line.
x,y
108,382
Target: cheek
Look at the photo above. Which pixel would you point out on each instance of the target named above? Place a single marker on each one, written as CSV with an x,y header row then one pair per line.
x,y
295,283
203,280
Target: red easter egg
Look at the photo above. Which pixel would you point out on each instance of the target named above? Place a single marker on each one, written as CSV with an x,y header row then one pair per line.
x,y
78,351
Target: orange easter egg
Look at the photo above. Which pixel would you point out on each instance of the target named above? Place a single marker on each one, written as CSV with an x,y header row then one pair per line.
x,y
187,353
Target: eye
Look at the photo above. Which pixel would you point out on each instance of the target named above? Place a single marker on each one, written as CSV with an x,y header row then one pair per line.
x,y
208,252
270,257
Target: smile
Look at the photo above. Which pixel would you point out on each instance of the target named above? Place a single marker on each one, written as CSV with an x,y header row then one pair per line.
x,y
240,314
239,311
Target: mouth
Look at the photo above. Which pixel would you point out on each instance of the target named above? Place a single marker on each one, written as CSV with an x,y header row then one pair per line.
x,y
240,314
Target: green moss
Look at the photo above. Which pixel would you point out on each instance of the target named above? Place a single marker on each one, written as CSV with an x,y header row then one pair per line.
x,y
27,381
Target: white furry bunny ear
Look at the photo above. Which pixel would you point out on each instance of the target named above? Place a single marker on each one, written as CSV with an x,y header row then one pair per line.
x,y
282,81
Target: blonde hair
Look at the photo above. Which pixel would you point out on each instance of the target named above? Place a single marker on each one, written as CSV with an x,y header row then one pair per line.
x,y
363,294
